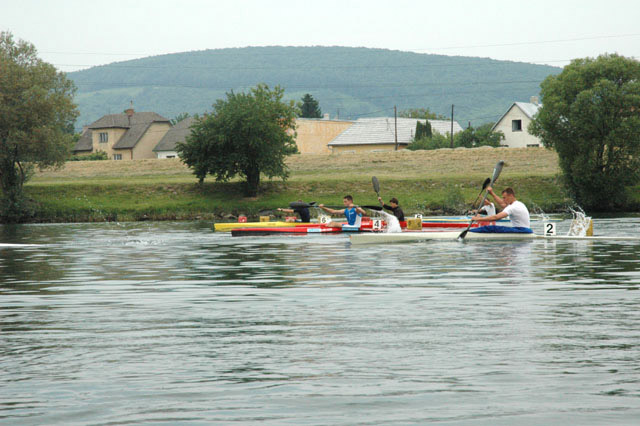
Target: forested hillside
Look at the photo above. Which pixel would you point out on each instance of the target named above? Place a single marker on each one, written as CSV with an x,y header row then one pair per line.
x,y
351,82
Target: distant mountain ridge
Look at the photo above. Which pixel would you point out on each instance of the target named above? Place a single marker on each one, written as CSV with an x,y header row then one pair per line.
x,y
348,82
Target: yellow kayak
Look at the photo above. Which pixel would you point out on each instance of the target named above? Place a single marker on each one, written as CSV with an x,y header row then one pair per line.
x,y
227,227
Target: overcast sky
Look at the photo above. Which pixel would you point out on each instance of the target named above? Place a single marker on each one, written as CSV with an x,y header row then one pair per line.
x,y
76,34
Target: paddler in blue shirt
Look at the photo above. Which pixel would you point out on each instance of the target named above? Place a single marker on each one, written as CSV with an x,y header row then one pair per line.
x,y
351,212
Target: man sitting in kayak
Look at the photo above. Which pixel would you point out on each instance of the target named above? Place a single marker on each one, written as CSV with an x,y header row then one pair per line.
x,y
305,216
351,212
488,209
393,207
511,207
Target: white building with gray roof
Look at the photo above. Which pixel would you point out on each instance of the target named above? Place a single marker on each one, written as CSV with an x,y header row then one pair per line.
x,y
515,122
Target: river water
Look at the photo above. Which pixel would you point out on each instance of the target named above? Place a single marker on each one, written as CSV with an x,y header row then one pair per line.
x,y
168,322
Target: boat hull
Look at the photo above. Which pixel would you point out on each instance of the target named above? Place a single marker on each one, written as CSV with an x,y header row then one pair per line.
x,y
438,222
226,227
295,230
400,237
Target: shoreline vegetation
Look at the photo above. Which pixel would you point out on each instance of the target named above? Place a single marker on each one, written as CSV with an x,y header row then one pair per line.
x,y
438,182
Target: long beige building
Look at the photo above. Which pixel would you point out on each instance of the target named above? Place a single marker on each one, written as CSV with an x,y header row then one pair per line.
x,y
129,136
314,135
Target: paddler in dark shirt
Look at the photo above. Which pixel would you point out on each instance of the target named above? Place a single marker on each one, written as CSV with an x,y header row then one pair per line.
x,y
393,207
303,212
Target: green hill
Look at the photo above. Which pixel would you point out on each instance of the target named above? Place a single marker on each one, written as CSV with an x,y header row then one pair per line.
x,y
351,82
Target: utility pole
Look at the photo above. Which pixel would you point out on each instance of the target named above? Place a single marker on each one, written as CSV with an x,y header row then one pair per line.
x,y
395,123
451,125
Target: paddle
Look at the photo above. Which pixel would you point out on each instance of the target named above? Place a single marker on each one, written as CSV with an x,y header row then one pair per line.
x,y
484,186
376,185
376,208
496,172
301,204
298,204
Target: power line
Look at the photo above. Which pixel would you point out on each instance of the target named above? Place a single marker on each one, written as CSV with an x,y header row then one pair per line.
x,y
370,113
530,42
470,62
483,118
360,86
495,63
243,50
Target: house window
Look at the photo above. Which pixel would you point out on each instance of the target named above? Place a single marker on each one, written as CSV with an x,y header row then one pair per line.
x,y
117,156
516,125
104,137
533,145
170,156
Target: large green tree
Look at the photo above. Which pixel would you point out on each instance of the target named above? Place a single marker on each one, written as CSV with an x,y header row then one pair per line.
x,y
36,113
246,134
591,117
310,108
479,136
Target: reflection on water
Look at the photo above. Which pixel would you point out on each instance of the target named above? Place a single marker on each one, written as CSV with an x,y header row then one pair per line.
x,y
149,322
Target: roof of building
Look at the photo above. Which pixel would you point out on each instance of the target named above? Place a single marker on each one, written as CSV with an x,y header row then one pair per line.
x,y
381,130
84,143
177,133
334,120
132,136
122,120
136,127
529,109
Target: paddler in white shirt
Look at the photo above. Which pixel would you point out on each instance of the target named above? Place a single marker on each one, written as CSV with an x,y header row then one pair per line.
x,y
512,208
488,209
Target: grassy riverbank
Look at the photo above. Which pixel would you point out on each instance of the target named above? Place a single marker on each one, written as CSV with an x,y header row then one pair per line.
x,y
432,182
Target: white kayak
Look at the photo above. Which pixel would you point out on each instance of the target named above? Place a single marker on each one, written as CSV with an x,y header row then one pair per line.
x,y
399,237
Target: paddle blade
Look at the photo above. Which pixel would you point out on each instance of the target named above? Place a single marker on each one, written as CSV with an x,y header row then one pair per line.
x,y
496,171
486,183
376,185
377,208
463,234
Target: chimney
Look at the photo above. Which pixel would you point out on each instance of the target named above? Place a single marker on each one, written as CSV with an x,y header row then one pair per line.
x,y
325,116
534,100
129,111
